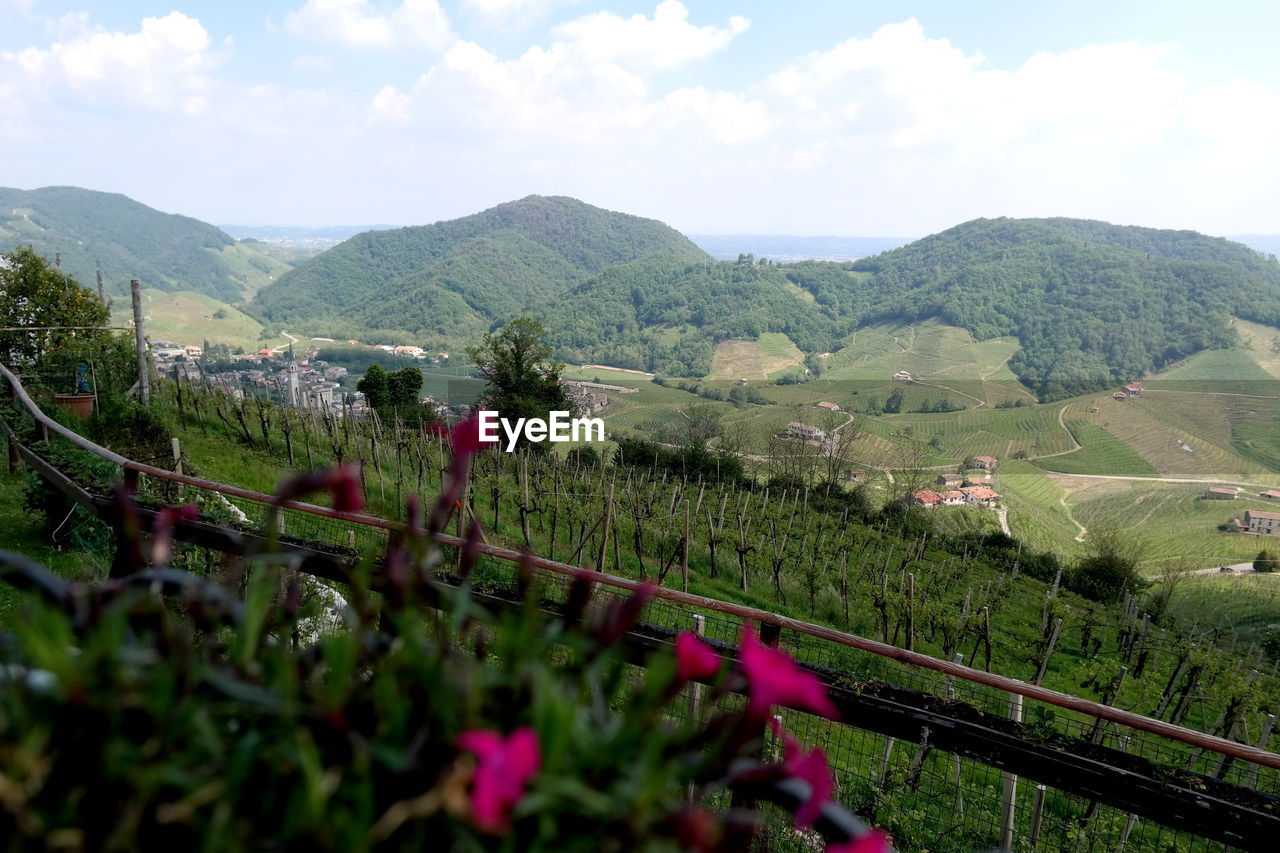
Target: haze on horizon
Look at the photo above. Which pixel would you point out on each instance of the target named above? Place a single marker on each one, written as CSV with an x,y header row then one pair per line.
x,y
717,118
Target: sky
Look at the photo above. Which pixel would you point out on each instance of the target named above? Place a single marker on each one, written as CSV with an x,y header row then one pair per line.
x,y
718,117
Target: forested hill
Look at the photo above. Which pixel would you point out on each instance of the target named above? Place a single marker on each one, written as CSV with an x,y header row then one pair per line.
x,y
456,278
126,239
1090,302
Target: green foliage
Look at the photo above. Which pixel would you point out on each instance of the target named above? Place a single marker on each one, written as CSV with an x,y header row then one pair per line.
x,y
522,381
1108,572
375,385
33,293
404,387
125,240
1265,561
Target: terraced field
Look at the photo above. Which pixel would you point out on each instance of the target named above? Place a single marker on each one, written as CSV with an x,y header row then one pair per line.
x,y
767,356
190,318
1100,452
1246,605
1037,514
930,350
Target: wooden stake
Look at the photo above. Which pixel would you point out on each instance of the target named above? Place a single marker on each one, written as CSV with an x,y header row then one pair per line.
x,y
140,344
1008,810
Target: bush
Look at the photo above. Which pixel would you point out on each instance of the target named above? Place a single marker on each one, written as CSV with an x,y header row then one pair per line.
x,y
1265,561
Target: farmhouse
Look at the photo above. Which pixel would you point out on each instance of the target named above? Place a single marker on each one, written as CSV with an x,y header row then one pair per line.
x,y
926,498
982,495
1120,395
953,497
902,376
1257,521
1133,389
853,475
1271,495
1216,493
830,407
950,479
986,463
804,431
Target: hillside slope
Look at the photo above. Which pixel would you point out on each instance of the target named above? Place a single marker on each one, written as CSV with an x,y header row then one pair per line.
x,y
457,277
126,239
1091,303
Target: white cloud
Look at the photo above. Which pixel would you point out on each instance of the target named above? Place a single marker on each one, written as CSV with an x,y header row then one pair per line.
x,y
363,24
518,12
309,62
164,66
663,41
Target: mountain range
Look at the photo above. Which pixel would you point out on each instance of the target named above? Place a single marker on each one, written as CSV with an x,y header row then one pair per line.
x,y
1088,302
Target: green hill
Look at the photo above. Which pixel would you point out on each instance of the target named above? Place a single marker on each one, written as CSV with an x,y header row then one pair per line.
x,y
125,239
1090,303
456,278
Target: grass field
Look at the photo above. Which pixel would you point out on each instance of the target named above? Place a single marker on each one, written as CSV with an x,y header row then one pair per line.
x,y
190,318
772,353
1244,604
1099,452
1037,514
929,350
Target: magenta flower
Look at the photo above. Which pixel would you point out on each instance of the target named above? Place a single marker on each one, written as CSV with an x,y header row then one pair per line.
x,y
503,767
874,841
811,767
694,658
774,679
463,439
342,482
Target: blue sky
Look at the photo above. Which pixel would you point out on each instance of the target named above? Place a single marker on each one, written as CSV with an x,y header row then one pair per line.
x,y
852,118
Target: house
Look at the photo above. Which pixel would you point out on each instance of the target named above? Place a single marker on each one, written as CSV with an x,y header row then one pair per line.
x,y
410,352
981,495
194,352
986,463
830,407
1120,395
1216,493
853,475
926,498
1133,389
266,353
950,480
902,376
1267,523
953,497
335,372
1271,495
804,431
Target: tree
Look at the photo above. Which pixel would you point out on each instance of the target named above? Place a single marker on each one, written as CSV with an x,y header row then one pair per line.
x,y
1110,571
893,404
404,387
1264,562
523,381
33,294
375,386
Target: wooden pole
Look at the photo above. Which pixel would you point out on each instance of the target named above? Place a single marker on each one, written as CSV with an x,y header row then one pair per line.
x,y
177,455
140,343
1008,804
102,290
684,560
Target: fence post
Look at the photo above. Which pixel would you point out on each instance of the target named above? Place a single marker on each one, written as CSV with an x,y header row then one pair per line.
x,y
1008,805
177,454
696,689
1262,744
1037,815
140,344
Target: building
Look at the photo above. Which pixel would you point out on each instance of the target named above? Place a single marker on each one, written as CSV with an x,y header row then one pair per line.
x,y
953,497
986,463
902,376
926,498
1216,493
1133,389
950,480
804,431
1120,395
410,352
1258,521
830,407
980,495
853,475
1271,495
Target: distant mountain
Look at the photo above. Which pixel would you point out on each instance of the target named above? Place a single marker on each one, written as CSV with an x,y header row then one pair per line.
x,y
457,278
1090,302
300,236
788,249
126,239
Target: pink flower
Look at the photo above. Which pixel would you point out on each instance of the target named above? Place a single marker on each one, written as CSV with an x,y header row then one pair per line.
x,y
503,767
342,482
694,658
874,841
811,767
463,439
775,679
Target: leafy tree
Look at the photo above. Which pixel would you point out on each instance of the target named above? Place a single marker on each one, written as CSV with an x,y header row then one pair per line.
x,y
1107,573
893,404
523,380
32,293
404,386
375,385
1264,562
